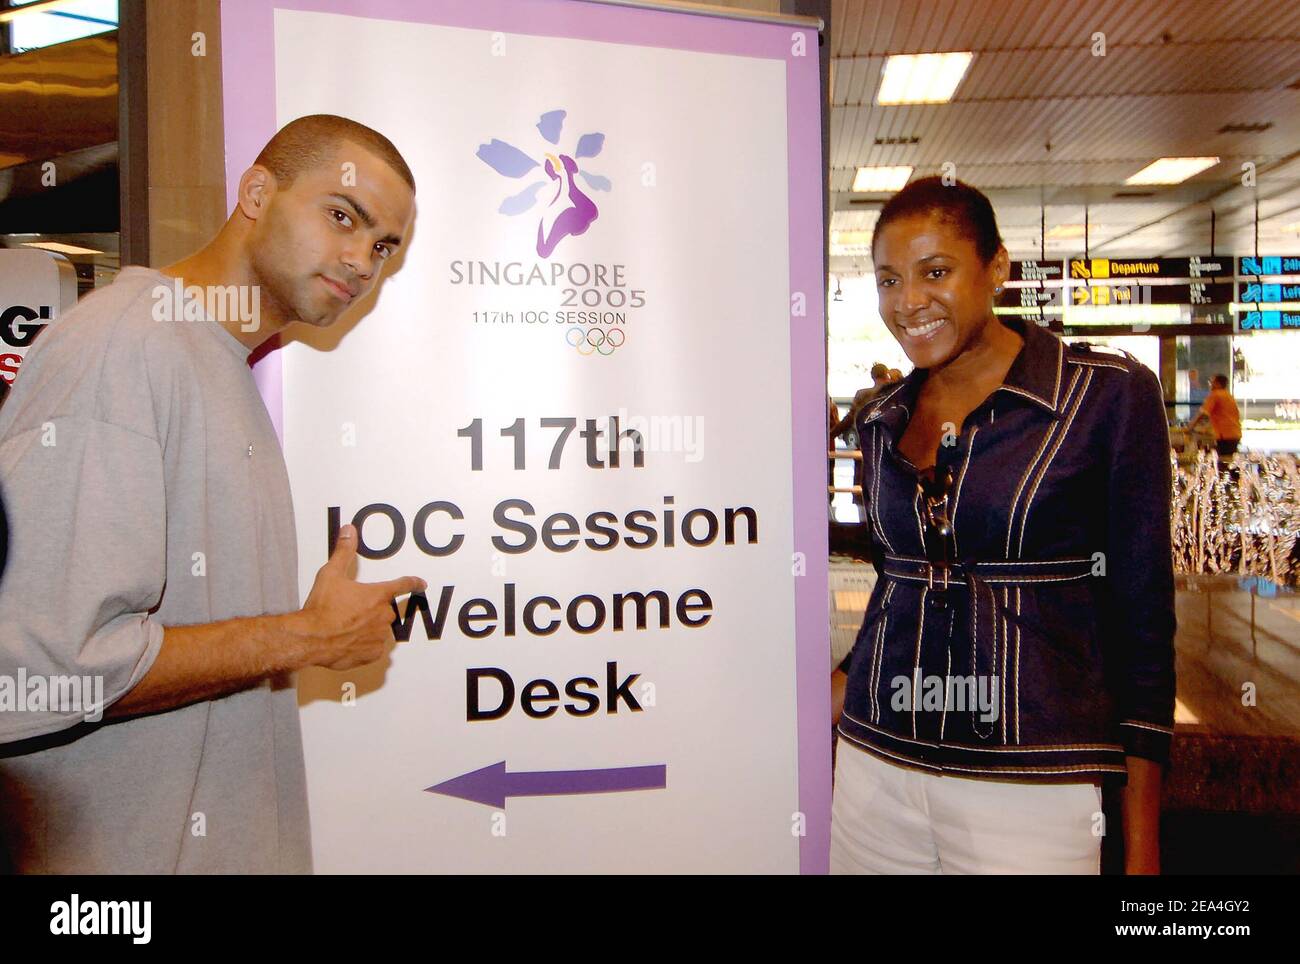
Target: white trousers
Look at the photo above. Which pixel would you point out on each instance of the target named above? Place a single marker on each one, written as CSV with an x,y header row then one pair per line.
x,y
888,819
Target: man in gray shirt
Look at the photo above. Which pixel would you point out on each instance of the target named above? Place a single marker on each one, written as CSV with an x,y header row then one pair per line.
x,y
153,556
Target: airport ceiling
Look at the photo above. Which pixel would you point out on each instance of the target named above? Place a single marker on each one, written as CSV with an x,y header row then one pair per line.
x,y
1041,119
1178,78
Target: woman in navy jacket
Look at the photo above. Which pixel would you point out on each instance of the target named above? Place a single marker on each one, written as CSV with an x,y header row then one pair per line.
x,y
1018,647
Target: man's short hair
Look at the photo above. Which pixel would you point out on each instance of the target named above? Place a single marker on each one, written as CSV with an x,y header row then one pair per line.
x,y
316,139
1220,381
879,372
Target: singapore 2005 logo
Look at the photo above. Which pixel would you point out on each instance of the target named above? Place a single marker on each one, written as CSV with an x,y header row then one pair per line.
x,y
567,209
589,298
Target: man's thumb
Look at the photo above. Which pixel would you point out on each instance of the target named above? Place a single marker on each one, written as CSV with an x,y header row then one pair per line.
x,y
345,550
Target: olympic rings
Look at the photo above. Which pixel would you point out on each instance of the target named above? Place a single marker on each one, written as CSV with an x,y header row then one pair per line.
x,y
595,341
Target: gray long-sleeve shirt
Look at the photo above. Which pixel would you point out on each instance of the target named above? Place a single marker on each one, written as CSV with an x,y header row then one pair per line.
x,y
145,488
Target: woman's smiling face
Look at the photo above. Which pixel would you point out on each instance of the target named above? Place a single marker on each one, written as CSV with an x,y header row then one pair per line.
x,y
935,290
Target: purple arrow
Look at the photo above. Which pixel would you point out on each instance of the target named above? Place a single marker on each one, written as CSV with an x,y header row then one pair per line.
x,y
492,784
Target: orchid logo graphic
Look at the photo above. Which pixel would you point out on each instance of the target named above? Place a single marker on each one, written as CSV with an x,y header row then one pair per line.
x,y
568,211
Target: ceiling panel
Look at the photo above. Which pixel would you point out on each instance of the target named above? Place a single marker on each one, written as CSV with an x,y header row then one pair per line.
x,y
1039,119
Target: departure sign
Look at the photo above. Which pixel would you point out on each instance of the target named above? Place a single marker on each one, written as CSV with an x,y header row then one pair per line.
x,y
1136,269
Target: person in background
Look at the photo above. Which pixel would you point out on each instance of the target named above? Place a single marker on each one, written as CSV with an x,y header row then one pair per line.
x,y
895,376
832,417
1225,419
879,379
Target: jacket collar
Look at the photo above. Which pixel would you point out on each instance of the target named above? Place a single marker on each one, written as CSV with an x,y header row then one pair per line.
x,y
1035,375
1037,371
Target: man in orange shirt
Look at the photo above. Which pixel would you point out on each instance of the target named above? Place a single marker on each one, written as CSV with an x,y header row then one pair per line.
x,y
1224,418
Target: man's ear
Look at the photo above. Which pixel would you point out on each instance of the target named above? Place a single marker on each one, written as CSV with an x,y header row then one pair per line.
x,y
256,188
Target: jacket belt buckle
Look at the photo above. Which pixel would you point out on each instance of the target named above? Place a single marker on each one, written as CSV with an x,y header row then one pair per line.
x,y
929,575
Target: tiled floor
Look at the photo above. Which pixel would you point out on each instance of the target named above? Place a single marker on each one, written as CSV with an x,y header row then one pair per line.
x,y
1232,682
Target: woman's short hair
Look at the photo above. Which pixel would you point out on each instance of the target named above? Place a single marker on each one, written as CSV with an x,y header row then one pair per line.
x,y
955,202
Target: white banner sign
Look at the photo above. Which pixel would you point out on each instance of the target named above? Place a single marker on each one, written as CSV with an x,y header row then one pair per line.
x,y
586,407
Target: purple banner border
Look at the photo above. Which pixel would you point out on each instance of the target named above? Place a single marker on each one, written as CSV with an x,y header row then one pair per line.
x,y
248,74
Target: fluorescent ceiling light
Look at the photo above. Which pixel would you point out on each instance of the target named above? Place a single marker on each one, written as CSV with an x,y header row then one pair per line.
x,y
60,247
1063,231
1172,170
1021,310
1124,314
880,179
1245,306
851,239
49,6
922,78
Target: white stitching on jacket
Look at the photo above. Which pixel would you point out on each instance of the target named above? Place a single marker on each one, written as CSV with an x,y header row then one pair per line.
x,y
922,765
874,749
1020,391
1150,726
875,483
1074,410
1100,364
1028,562
1060,365
1017,703
920,630
920,527
1045,748
913,577
875,666
1006,645
947,675
873,678
1051,434
961,478
1015,502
